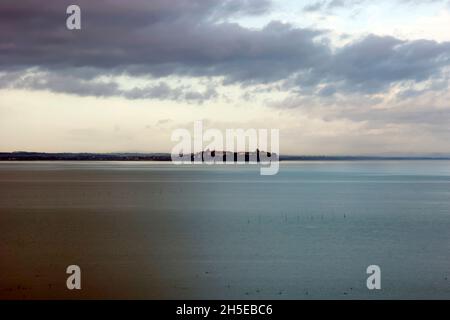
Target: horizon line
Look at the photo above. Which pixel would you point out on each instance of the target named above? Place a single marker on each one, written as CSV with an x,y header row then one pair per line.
x,y
381,156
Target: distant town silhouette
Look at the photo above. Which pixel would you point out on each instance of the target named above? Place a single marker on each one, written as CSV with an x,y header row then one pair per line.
x,y
257,156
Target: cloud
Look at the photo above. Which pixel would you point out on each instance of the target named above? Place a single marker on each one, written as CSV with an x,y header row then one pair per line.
x,y
331,5
193,38
61,83
374,63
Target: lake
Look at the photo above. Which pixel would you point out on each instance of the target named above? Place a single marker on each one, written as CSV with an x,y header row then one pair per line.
x,y
156,230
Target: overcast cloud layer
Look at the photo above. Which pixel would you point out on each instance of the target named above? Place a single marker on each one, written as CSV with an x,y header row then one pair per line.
x,y
193,38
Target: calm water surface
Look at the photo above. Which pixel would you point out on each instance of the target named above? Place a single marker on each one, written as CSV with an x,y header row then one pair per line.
x,y
155,230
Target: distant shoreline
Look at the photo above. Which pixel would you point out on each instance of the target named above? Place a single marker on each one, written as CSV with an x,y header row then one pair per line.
x,y
43,156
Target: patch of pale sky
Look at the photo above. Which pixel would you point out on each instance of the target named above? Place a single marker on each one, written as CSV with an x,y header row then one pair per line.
x,y
405,20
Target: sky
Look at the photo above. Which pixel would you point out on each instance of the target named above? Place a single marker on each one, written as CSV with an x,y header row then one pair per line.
x,y
334,76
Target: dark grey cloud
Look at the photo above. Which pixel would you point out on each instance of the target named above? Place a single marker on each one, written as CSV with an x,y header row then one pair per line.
x,y
437,85
315,6
330,5
117,34
163,91
327,91
374,62
60,83
161,38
